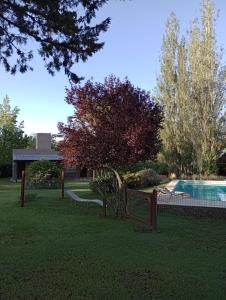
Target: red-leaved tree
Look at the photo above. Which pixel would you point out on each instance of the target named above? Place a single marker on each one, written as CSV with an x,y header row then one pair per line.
x,y
114,124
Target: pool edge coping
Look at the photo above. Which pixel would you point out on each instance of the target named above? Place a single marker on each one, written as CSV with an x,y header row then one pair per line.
x,y
197,202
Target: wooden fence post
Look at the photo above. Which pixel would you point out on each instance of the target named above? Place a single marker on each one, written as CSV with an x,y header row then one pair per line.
x,y
62,183
22,187
153,211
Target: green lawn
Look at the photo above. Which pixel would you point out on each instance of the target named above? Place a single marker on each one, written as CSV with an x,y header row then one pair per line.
x,y
53,249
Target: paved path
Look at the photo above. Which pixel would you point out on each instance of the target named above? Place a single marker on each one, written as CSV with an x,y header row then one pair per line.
x,y
76,198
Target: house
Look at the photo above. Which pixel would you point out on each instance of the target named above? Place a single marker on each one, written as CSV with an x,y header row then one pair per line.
x,y
43,151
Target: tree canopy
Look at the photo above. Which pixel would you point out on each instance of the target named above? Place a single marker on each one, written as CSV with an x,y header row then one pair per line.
x,y
114,124
11,133
63,30
192,90
8,116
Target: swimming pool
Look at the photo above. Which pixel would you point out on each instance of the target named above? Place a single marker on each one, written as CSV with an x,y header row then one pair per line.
x,y
202,190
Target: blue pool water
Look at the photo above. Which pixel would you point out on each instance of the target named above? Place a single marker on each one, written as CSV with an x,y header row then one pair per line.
x,y
202,190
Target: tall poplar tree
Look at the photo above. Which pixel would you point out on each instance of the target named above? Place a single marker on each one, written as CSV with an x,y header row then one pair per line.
x,y
167,90
206,90
193,107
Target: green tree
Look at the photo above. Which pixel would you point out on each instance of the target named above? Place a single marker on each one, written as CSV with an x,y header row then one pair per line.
x,y
11,133
8,116
191,89
172,94
207,87
63,30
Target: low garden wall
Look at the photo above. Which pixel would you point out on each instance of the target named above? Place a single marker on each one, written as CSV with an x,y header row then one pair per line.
x,y
194,211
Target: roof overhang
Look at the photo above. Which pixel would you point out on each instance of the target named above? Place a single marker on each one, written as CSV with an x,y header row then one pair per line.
x,y
32,157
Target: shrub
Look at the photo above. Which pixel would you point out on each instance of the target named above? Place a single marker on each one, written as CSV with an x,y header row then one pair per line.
x,y
143,178
5,170
43,173
148,178
134,168
202,177
158,166
131,180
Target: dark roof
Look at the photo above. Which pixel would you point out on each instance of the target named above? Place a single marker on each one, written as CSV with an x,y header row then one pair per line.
x,y
36,154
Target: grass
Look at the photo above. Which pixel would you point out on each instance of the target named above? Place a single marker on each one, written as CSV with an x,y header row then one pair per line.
x,y
54,249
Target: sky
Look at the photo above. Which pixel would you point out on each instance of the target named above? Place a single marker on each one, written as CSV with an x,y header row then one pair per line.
x,y
132,48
